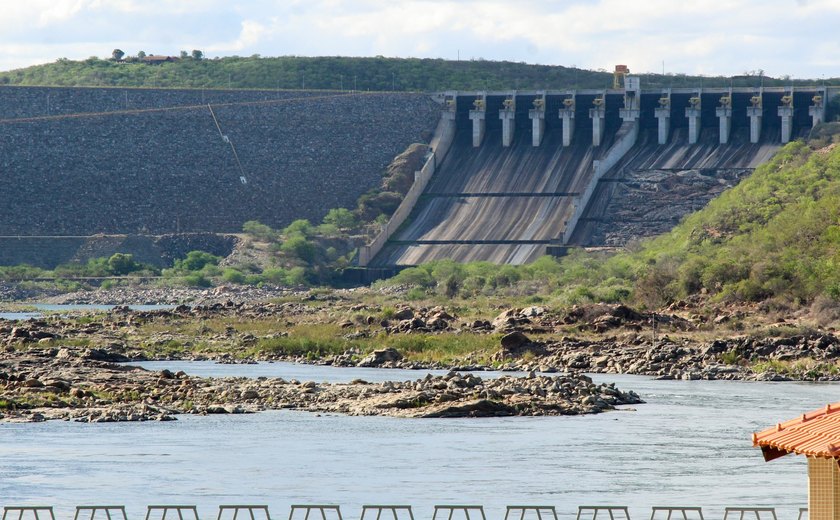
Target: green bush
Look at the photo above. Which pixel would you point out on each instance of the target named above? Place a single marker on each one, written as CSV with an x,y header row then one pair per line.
x,y
259,231
341,218
297,276
300,248
196,280
122,264
233,276
300,227
196,261
275,275
21,272
415,294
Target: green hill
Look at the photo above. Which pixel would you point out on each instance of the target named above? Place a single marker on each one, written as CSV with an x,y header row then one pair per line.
x,y
775,235
341,73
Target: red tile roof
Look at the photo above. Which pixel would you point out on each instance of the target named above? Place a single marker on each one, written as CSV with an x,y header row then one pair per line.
x,y
815,434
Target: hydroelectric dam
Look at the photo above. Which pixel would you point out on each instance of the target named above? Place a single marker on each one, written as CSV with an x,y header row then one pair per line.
x,y
515,175
511,176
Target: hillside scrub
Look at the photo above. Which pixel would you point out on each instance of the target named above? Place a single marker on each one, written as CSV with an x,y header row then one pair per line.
x,y
774,235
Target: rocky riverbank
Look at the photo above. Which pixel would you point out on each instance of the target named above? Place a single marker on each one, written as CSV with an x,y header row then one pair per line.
x,y
70,384
600,339
63,367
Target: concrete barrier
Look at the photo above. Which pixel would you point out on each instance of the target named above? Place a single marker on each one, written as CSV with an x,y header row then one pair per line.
x,y
441,142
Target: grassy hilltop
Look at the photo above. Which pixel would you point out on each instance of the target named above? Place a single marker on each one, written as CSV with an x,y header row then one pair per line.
x,y
343,73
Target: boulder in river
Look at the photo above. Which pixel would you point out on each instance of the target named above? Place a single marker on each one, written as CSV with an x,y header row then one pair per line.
x,y
378,358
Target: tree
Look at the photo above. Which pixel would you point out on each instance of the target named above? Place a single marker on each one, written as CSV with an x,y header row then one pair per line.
x,y
196,260
342,218
184,55
300,227
141,54
197,55
117,54
300,248
259,230
121,264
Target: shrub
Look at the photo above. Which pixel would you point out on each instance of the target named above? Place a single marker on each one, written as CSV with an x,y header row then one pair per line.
x,y
195,261
450,286
299,247
122,264
233,276
196,280
300,227
413,276
275,275
259,231
342,218
415,294
297,276
384,203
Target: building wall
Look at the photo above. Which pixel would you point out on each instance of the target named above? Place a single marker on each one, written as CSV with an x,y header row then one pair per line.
x,y
823,489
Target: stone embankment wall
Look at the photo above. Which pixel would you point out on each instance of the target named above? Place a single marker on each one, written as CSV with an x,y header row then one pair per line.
x,y
164,166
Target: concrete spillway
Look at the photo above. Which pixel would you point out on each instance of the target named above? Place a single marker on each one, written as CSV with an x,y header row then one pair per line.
x,y
495,203
531,173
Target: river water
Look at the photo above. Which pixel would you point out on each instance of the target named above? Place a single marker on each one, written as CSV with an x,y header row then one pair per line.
x,y
689,445
43,308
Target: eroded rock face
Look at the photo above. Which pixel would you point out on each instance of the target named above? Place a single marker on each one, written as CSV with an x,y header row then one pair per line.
x,y
649,202
74,388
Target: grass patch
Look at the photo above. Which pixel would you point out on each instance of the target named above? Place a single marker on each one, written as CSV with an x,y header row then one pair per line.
x,y
731,358
318,340
804,368
445,348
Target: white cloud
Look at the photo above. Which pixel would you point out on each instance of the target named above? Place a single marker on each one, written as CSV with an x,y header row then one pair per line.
x,y
702,36
251,34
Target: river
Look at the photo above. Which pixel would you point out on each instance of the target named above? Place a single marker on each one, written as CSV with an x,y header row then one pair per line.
x,y
689,445
45,308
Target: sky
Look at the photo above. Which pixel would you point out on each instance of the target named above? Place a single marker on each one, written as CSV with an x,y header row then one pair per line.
x,y
798,38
